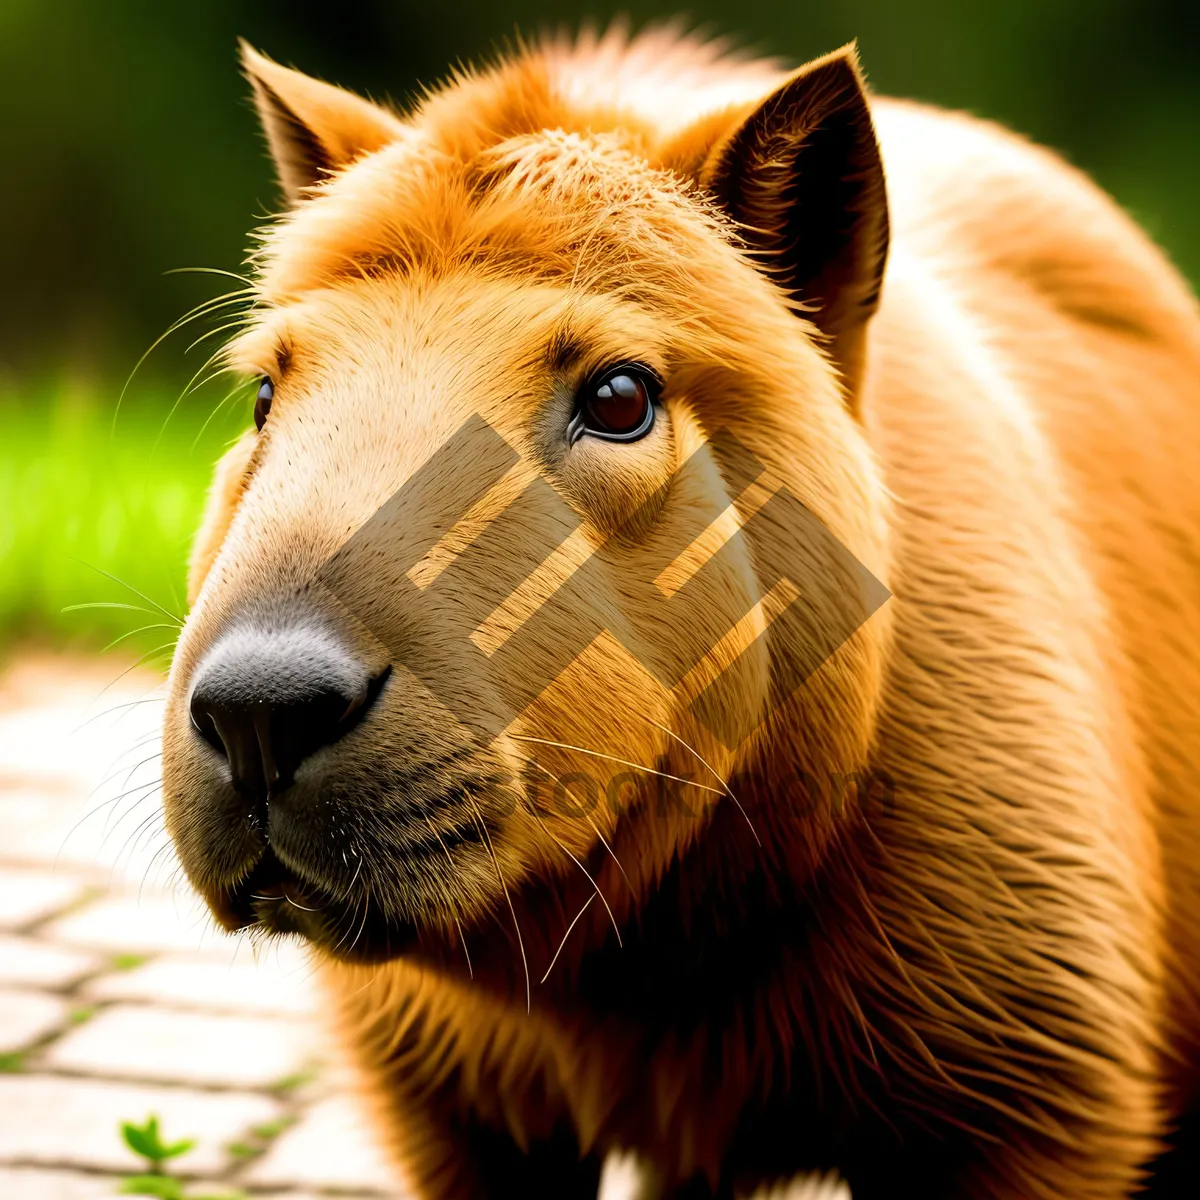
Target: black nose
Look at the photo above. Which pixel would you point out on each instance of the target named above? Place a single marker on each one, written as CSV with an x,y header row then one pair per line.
x,y
269,700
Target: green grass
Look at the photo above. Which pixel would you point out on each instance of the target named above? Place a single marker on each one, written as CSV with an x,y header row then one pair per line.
x,y
84,497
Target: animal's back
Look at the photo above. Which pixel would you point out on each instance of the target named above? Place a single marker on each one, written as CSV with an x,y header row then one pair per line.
x,y
1075,348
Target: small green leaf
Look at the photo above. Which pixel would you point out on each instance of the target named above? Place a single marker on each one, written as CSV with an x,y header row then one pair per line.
x,y
140,1140
176,1148
145,1140
79,1015
165,1187
243,1150
127,962
12,1064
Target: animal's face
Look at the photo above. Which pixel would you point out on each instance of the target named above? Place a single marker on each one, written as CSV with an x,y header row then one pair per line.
x,y
486,573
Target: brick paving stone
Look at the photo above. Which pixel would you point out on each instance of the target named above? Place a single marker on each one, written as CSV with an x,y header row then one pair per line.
x,y
32,1183
140,924
74,1122
330,1147
69,747
277,984
75,736
37,828
138,1041
27,1016
28,896
30,963
70,831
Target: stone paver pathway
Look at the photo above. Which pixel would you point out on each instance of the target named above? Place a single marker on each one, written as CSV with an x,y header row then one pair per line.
x,y
118,998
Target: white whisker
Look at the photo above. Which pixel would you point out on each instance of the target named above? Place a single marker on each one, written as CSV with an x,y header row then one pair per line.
x,y
462,937
567,935
516,924
712,771
596,830
612,758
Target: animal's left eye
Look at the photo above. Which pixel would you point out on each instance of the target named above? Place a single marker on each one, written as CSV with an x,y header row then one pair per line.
x,y
262,402
616,405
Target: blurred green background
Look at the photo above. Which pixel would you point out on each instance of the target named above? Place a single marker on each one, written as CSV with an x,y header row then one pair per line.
x,y
129,149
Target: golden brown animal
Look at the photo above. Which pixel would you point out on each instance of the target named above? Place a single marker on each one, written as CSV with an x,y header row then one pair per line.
x,y
982,980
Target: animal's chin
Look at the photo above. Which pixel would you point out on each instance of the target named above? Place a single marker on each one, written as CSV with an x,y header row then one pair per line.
x,y
276,900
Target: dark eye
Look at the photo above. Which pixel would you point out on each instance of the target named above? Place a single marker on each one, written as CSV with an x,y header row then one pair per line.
x,y
262,402
616,405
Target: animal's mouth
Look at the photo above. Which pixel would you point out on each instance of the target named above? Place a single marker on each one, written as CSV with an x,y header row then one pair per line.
x,y
277,900
253,901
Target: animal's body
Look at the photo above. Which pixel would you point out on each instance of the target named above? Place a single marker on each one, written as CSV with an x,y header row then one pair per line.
x,y
986,983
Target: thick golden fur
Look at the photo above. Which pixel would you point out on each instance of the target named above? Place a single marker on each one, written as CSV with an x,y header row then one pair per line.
x,y
986,984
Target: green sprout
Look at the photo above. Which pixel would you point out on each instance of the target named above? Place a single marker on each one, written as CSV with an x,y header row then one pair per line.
x,y
146,1141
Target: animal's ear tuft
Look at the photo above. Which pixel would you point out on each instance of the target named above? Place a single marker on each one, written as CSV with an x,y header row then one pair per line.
x,y
312,128
801,174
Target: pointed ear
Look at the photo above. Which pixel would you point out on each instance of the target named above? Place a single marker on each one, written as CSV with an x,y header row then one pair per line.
x,y
802,176
312,128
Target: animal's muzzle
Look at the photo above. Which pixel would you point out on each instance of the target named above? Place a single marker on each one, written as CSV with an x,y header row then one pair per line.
x,y
269,699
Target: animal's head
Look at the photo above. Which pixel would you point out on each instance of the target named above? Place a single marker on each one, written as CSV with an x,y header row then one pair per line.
x,y
557,492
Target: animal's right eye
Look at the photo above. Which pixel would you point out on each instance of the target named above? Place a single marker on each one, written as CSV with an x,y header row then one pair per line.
x,y
262,402
617,405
